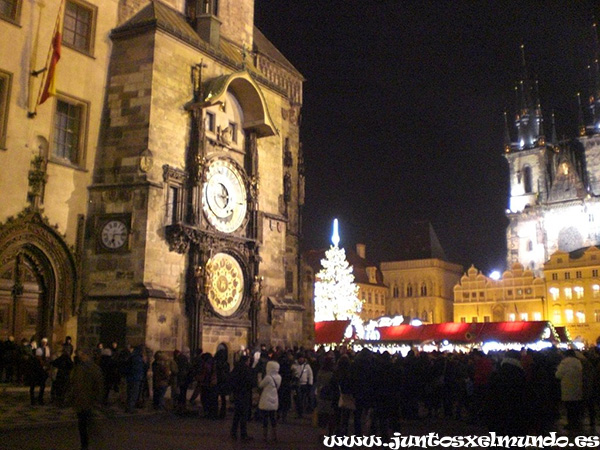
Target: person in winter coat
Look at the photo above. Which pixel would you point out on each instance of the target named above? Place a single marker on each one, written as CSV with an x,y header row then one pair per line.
x,y
136,373
242,381
86,390
570,374
507,412
160,380
269,399
63,364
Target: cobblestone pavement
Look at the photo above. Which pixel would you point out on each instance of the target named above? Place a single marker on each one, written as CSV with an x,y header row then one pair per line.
x,y
48,427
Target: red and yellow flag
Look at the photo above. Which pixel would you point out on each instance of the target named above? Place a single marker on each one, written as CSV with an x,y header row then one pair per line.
x,y
49,88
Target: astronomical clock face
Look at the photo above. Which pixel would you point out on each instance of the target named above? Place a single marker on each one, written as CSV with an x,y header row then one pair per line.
x,y
224,196
225,285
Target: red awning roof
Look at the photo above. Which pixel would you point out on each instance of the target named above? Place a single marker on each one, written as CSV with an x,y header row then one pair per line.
x,y
563,334
523,332
330,332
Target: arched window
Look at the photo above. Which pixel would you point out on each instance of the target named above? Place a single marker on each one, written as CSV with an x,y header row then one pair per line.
x,y
423,290
425,316
395,291
409,290
527,181
529,246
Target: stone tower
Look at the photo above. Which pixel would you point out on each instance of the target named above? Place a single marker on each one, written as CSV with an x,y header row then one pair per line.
x,y
194,217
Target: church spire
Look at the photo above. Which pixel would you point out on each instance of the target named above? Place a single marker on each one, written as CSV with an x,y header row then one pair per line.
x,y
553,139
580,123
529,117
594,100
507,141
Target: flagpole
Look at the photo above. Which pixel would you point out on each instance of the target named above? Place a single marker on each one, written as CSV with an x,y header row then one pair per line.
x,y
33,61
48,59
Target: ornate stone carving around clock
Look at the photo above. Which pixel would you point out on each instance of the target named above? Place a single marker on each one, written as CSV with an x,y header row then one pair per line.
x,y
225,282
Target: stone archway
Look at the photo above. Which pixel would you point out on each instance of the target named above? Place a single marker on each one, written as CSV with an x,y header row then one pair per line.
x,y
38,279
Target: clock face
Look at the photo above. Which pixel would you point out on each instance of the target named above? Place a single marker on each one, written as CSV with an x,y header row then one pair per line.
x,y
114,234
225,284
224,196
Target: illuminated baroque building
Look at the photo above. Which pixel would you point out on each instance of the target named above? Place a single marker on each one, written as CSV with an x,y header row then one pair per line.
x,y
573,292
156,198
518,295
421,283
568,294
554,186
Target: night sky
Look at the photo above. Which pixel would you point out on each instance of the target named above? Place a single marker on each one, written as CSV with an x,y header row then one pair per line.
x,y
403,111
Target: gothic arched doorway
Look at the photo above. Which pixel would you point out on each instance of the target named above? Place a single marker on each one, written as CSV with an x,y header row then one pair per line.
x,y
38,281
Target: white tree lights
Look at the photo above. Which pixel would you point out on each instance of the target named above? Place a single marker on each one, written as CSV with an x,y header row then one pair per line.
x,y
336,294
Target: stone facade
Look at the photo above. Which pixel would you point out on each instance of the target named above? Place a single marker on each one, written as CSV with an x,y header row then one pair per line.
x,y
518,295
141,212
421,288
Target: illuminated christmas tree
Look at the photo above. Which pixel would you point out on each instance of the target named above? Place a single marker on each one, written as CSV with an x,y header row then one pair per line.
x,y
336,294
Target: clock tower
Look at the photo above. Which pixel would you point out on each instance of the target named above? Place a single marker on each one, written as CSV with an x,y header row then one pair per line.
x,y
193,229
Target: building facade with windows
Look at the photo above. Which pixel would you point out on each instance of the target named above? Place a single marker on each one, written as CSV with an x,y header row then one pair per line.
x,y
421,288
518,295
156,197
573,292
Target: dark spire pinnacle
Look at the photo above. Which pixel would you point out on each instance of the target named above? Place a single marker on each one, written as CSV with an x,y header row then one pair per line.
x,y
553,139
506,134
529,118
580,124
594,73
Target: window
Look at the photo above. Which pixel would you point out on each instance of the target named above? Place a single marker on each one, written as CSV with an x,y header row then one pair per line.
x,y
524,317
568,293
509,292
69,131
512,317
527,179
10,10
78,27
481,294
463,320
569,315
370,298
578,291
555,276
423,290
537,316
474,294
529,246
210,121
528,291
466,295
396,291
594,272
519,291
5,80
554,293
289,282
597,315
474,319
233,131
172,205
596,290
409,291
557,317
567,275
578,274
580,316
486,318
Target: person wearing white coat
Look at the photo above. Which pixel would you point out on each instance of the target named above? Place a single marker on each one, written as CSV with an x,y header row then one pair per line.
x,y
269,398
570,374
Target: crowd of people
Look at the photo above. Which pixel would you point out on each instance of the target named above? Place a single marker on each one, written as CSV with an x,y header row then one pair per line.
x,y
512,393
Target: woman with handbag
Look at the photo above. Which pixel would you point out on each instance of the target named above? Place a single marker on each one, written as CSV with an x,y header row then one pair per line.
x,y
269,399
